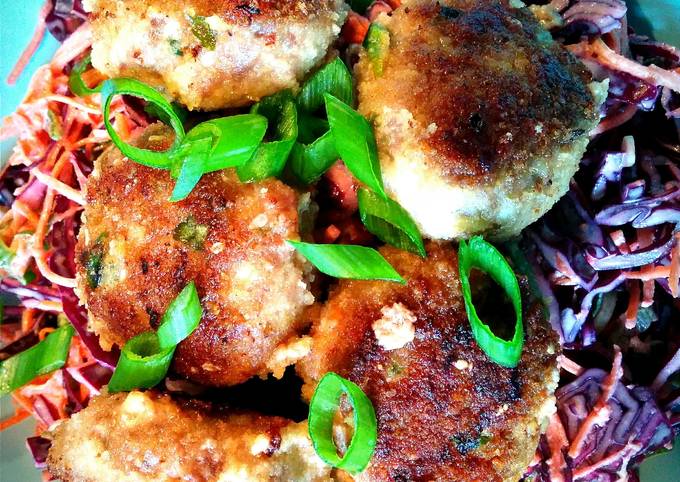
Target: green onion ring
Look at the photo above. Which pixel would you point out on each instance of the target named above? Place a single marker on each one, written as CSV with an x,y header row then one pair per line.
x,y
162,160
390,222
75,79
45,357
322,409
145,359
479,254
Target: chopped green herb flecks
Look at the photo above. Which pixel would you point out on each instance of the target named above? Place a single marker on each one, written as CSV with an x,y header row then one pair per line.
x,y
176,47
93,262
191,233
202,31
377,45
54,129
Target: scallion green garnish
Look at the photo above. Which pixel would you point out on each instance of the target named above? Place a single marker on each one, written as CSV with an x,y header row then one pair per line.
x,y
310,128
309,163
45,357
145,359
390,222
377,44
210,146
270,158
75,79
136,88
348,261
355,142
333,78
202,31
322,409
477,253
181,318
191,233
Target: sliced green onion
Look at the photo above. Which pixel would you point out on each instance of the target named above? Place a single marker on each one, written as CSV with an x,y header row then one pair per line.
x,y
270,158
479,254
390,222
348,261
75,80
377,44
322,409
145,359
202,31
45,357
333,78
142,364
234,140
192,169
181,318
54,128
309,163
136,88
355,143
310,128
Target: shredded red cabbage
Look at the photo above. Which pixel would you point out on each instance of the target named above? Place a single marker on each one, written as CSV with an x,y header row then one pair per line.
x,y
64,18
605,258
38,447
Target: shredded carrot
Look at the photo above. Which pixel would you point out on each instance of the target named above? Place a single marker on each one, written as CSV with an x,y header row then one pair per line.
x,y
569,365
58,186
600,412
647,293
19,415
355,29
633,304
32,46
557,439
44,332
674,272
620,241
649,272
27,320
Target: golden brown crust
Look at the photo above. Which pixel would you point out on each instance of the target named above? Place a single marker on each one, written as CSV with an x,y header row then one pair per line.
x,y
495,89
250,281
214,55
139,437
439,396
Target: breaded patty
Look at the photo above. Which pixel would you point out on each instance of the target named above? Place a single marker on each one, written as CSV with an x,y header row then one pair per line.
x,y
445,411
136,251
145,436
213,54
481,118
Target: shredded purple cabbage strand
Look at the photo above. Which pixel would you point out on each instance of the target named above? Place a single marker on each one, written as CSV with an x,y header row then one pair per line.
x,y
601,260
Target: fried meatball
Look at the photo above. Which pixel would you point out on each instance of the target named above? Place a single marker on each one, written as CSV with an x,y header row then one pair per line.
x,y
481,118
136,251
213,54
145,436
445,411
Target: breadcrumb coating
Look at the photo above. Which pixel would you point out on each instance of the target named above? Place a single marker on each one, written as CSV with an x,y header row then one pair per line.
x,y
481,118
137,250
146,436
445,411
214,54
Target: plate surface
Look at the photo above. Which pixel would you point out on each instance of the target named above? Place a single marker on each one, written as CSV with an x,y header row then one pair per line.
x,y
660,18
